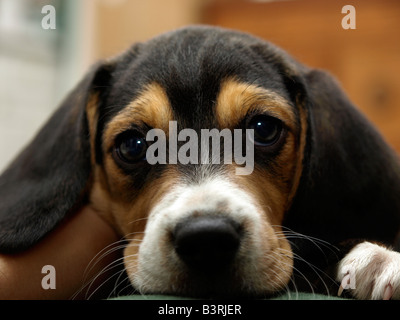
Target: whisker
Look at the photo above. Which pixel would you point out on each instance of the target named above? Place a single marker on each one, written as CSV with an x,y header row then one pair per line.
x,y
290,234
137,220
111,248
102,254
315,269
115,264
88,284
278,261
294,269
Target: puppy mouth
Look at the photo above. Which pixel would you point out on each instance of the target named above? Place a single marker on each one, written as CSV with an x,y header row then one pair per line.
x,y
204,242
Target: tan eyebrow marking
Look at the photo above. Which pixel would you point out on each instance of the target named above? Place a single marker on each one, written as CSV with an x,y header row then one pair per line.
x,y
236,99
151,107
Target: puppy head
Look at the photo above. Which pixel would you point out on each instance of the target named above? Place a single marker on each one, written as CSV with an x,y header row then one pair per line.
x,y
196,229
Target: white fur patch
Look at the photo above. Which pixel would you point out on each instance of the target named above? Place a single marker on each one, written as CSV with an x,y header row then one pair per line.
x,y
159,269
373,272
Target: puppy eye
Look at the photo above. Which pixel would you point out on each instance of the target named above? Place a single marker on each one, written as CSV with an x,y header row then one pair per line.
x,y
131,147
267,129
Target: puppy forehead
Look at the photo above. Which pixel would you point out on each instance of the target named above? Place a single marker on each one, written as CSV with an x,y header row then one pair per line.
x,y
190,66
234,100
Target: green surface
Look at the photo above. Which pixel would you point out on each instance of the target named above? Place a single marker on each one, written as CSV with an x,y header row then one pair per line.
x,y
286,296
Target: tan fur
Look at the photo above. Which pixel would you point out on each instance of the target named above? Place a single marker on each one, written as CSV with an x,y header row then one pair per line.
x,y
234,102
298,163
152,107
111,194
92,116
236,99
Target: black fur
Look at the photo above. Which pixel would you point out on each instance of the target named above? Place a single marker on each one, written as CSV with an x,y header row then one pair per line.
x,y
350,182
48,179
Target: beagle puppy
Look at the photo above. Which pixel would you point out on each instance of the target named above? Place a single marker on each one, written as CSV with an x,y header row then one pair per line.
x,y
319,209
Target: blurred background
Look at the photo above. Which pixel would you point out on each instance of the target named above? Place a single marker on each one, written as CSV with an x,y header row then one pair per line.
x,y
38,67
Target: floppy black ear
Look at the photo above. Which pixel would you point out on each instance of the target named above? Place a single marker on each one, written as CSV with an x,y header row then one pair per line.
x,y
50,175
350,185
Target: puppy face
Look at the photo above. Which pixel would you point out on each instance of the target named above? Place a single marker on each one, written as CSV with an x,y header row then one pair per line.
x,y
198,229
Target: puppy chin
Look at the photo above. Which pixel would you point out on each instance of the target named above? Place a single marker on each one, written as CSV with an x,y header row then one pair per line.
x,y
209,239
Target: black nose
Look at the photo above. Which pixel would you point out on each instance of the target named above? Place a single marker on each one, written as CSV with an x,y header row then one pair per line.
x,y
207,243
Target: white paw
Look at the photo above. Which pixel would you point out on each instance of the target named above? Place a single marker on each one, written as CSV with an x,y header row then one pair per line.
x,y
370,271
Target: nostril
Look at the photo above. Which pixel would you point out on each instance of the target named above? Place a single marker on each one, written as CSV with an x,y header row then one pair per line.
x,y
207,242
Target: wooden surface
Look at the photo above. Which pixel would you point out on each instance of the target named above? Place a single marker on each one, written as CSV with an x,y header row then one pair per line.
x,y
366,60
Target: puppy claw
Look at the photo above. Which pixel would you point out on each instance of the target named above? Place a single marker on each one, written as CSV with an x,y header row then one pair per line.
x,y
344,284
388,293
340,291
